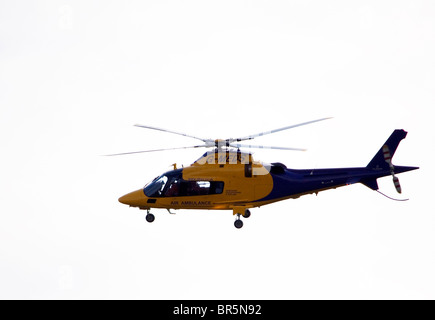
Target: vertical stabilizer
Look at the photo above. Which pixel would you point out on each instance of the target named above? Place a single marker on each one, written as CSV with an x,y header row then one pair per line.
x,y
382,159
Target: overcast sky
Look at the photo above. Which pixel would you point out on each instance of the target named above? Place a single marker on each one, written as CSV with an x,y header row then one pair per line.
x,y
75,76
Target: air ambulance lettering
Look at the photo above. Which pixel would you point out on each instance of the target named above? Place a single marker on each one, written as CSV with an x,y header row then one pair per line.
x,y
196,203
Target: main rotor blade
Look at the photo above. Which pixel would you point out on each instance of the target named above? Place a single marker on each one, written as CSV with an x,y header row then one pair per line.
x,y
238,145
276,130
124,153
165,130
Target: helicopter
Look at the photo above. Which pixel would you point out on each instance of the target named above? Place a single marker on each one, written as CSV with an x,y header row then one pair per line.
x,y
227,178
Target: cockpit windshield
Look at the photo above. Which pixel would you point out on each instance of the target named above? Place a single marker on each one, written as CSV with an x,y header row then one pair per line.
x,y
155,188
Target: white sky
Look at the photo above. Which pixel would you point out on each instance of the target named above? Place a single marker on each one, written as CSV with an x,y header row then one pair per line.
x,y
76,75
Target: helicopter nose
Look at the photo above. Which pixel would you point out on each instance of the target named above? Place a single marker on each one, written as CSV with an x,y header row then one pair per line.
x,y
133,198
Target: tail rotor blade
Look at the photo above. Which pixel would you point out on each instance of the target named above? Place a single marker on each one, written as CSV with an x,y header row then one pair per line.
x,y
387,157
387,154
397,184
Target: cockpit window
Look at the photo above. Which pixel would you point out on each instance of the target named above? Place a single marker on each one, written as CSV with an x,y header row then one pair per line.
x,y
183,188
172,185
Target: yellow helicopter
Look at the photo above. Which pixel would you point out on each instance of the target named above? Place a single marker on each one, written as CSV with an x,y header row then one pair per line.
x,y
228,179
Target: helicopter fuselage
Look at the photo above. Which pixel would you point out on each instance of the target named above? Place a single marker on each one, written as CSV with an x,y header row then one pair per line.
x,y
237,186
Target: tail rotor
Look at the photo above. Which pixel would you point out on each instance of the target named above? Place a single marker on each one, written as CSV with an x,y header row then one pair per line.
x,y
387,157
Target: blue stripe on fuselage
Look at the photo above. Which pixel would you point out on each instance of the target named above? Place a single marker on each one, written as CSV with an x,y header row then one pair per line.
x,y
296,182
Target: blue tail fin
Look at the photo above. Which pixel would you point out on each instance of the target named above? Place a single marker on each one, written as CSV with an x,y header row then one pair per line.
x,y
381,162
378,161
